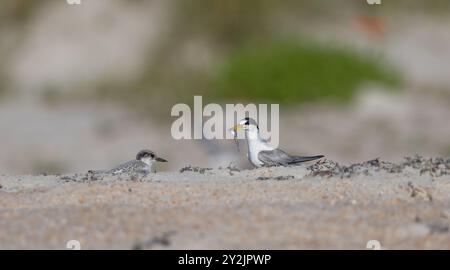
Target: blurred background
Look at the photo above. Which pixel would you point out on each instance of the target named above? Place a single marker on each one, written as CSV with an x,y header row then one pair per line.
x,y
87,86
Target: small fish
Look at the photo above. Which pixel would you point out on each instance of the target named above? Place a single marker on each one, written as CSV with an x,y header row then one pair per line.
x,y
236,141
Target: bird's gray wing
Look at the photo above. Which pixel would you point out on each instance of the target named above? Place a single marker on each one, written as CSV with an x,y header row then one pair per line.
x,y
299,159
274,157
279,157
130,166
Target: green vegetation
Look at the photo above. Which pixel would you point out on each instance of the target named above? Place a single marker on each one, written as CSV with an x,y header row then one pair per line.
x,y
288,72
238,68
18,11
283,72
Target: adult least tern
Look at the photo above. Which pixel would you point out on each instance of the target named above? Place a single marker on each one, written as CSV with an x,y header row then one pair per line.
x,y
260,153
142,164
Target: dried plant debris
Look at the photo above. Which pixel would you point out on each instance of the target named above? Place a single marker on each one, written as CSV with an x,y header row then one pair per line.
x,y
195,169
91,176
232,168
278,178
155,242
435,167
87,177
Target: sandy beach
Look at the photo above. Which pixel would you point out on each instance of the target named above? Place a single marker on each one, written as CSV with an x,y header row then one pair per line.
x,y
88,86
320,206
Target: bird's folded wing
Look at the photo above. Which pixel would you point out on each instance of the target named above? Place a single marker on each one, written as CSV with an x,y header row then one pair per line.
x,y
123,167
274,157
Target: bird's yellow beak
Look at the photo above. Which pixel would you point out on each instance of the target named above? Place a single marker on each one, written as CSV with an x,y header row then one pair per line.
x,y
237,127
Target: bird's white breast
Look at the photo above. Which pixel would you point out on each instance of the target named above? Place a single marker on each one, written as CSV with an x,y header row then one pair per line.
x,y
149,162
254,147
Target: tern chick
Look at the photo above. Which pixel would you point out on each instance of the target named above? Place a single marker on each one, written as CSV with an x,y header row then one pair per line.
x,y
260,153
142,164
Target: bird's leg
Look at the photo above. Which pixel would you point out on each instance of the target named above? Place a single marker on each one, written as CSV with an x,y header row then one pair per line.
x,y
236,141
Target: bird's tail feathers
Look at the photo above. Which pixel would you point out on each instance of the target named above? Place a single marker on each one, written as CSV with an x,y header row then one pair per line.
x,y
298,159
